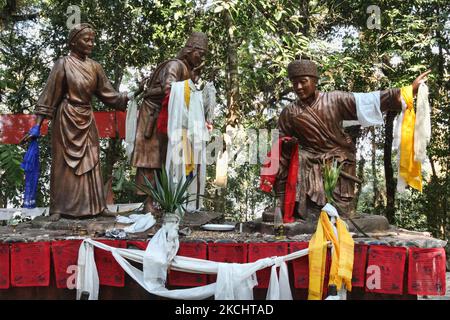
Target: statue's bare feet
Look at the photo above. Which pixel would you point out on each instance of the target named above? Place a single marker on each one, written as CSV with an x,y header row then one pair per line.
x,y
107,213
54,217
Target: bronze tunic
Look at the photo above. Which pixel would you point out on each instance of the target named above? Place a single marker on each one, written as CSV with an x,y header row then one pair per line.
x,y
318,128
150,152
76,184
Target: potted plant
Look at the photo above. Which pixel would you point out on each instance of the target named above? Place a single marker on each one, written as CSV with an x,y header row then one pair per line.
x,y
331,172
171,197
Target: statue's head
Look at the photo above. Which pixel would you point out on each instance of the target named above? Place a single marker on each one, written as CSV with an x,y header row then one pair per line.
x,y
304,76
195,49
81,39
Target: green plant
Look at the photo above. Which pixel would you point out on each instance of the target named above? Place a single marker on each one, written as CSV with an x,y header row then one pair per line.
x,y
331,173
11,175
170,196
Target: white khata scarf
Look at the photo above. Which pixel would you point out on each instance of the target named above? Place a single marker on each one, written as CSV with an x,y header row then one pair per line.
x,y
368,108
187,135
422,126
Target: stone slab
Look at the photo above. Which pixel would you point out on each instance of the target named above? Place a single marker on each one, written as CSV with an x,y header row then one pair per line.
x,y
8,213
366,222
196,219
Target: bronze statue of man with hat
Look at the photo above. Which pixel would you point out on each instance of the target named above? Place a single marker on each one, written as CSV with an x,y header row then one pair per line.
x,y
311,132
150,148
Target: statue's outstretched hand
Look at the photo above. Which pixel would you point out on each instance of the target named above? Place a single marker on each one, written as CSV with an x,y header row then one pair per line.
x,y
417,81
141,86
34,132
25,138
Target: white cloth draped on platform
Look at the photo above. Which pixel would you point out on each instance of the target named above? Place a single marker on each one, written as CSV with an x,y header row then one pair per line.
x,y
160,252
140,222
87,275
240,287
279,289
192,120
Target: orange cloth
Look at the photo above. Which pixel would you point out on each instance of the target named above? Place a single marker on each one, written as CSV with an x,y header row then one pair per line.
x,y
341,260
189,155
409,169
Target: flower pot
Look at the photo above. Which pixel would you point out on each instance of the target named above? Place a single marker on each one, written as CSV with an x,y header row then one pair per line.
x,y
171,218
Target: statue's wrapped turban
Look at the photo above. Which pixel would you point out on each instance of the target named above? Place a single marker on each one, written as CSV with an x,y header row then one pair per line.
x,y
75,31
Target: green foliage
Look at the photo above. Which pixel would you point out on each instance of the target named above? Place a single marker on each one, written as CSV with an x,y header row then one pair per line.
x,y
426,211
263,36
331,173
10,161
11,174
172,197
123,185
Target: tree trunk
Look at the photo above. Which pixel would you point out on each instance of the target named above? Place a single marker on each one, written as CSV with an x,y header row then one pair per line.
x,y
3,198
232,86
232,74
376,192
388,169
443,97
114,144
304,5
360,174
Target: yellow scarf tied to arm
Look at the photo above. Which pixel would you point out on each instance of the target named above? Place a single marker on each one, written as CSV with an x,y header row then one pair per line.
x,y
341,261
409,169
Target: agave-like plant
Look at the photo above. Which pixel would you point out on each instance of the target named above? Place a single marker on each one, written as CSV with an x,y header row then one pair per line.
x,y
331,173
170,196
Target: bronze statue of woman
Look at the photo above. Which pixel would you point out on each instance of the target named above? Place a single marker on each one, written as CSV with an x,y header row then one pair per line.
x,y
76,184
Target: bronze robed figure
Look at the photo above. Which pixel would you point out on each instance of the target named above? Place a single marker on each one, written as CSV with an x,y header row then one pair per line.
x,y
76,184
314,123
150,147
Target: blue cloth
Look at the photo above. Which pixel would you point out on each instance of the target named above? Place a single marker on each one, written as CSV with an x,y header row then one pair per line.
x,y
32,168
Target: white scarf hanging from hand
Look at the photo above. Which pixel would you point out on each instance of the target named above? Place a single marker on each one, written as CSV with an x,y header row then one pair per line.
x,y
209,101
401,183
191,119
422,126
130,125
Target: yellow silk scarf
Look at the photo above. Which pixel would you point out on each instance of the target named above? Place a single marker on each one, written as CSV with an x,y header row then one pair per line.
x,y
409,169
187,148
341,261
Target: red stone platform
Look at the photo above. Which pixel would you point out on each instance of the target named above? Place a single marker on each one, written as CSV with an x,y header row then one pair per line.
x,y
42,270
